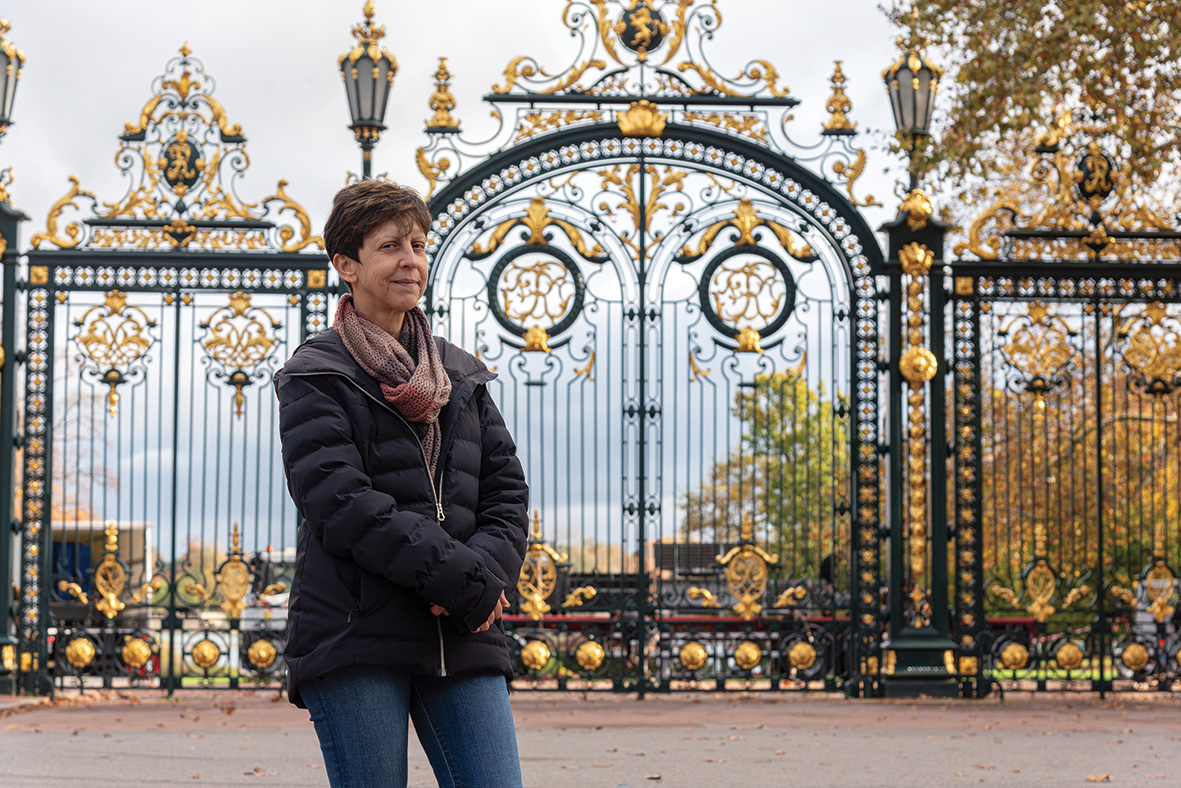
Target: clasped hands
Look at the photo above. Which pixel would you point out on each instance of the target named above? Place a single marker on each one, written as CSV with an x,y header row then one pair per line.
x,y
495,615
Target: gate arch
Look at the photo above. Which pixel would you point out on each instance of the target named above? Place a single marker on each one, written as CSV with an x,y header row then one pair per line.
x,y
685,323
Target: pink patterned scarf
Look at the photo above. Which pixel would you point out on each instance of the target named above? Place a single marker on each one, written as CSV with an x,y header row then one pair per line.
x,y
417,387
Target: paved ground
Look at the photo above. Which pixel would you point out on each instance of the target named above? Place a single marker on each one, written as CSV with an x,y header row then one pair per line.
x,y
223,739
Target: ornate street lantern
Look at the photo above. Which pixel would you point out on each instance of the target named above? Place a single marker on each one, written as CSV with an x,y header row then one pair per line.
x,y
912,82
368,75
11,62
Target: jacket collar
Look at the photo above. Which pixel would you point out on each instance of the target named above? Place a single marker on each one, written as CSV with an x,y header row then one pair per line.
x,y
325,354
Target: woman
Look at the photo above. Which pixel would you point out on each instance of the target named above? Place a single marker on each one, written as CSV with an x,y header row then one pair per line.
x,y
414,519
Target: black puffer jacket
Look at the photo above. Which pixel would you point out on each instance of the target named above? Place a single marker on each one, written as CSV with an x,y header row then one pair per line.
x,y
377,546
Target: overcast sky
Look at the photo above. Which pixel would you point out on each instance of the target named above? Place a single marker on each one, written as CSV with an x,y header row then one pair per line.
x,y
90,66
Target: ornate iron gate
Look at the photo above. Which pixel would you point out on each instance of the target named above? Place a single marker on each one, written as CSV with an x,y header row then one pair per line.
x,y
685,324
1067,367
158,535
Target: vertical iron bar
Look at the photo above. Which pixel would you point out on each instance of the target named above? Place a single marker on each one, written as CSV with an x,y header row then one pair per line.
x,y
641,468
1102,623
9,226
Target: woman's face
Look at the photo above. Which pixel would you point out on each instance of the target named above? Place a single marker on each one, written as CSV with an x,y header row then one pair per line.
x,y
391,276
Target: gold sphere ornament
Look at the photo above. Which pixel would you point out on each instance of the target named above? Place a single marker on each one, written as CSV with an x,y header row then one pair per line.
x,y
535,655
136,653
1069,656
80,652
1014,656
590,655
206,653
802,656
918,365
8,658
747,655
261,654
693,655
1134,657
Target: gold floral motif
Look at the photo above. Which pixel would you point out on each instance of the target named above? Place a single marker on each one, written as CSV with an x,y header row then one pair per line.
x,y
791,596
80,652
851,173
1152,349
1134,657
74,230
535,655
748,655
206,653
590,655
746,219
114,345
536,340
534,123
752,126
802,655
135,653
916,259
262,654
539,574
1040,347
317,279
642,119
536,219
693,655
746,571
432,171
239,341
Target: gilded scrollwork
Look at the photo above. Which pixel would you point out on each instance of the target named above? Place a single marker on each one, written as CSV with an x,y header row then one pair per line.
x,y
746,219
180,159
746,571
1038,347
539,573
1076,202
1151,348
114,337
240,338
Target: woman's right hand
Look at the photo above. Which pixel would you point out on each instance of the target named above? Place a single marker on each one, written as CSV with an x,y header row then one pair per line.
x,y
495,615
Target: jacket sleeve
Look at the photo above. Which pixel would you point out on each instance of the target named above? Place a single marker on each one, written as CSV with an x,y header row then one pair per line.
x,y
502,513
353,520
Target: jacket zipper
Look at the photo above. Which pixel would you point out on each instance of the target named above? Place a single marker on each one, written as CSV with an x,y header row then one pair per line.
x,y
437,494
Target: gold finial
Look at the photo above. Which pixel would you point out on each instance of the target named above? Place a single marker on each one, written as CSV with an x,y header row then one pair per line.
x,y
235,537
112,532
918,209
442,100
185,51
537,524
838,104
1039,540
5,25
748,529
370,10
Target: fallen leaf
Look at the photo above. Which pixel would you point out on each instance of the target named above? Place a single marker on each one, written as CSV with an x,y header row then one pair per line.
x,y
959,774
984,766
1154,777
715,760
1098,778
652,777
781,752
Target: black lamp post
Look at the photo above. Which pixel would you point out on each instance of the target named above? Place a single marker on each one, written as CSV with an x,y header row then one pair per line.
x,y
368,74
11,62
912,83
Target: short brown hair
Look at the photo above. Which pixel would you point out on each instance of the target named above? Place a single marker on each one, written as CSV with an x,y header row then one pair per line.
x,y
362,206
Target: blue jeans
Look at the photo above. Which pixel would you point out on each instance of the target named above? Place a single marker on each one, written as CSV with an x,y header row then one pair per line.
x,y
465,725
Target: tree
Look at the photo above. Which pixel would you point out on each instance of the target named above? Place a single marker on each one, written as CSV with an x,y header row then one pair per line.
x,y
788,471
1013,68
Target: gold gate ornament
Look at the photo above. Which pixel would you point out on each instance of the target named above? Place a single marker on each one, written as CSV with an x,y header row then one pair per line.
x,y
746,571
539,573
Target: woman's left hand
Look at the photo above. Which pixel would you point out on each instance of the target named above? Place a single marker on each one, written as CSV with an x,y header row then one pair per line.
x,y
496,615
